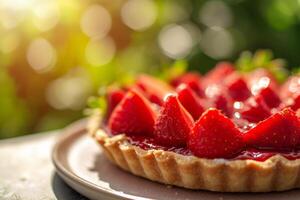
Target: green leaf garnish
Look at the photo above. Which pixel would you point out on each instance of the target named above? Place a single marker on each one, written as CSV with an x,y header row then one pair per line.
x,y
262,59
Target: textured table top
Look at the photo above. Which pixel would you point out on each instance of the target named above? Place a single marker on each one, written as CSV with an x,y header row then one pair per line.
x,y
26,170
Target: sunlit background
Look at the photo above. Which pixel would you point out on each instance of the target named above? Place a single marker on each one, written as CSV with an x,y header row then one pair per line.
x,y
54,54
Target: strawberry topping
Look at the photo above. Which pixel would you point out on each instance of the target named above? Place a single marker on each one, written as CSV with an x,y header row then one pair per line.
x,y
192,79
132,116
246,112
215,136
217,74
270,97
190,101
114,97
219,99
173,124
280,131
255,110
154,88
290,87
223,103
261,78
296,102
237,87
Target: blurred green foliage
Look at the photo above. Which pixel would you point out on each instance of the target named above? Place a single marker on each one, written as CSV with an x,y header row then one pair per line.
x,y
55,54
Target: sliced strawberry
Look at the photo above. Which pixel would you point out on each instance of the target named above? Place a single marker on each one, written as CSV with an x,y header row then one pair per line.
x,y
186,78
173,124
270,97
190,101
114,97
237,87
219,99
255,110
154,89
261,78
292,101
215,136
192,79
264,88
218,73
132,116
281,131
296,102
290,87
223,103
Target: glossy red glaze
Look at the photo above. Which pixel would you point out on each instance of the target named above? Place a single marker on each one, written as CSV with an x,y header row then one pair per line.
x,y
260,155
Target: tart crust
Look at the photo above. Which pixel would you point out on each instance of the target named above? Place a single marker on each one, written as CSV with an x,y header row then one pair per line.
x,y
274,174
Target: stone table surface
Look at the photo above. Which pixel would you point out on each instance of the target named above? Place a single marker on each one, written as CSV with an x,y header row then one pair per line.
x,y
27,172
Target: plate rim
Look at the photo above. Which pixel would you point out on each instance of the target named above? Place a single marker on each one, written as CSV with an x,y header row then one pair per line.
x,y
76,129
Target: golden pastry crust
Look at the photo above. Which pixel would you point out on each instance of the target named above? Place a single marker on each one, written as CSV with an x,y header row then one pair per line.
x,y
275,174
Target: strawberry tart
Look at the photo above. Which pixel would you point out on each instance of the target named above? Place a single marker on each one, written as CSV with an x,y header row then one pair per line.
x,y
223,131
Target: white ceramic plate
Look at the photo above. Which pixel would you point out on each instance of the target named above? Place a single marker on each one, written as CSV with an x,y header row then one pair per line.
x,y
80,162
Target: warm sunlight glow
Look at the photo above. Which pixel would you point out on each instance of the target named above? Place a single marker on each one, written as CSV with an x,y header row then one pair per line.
x,y
139,14
96,21
175,41
100,52
41,55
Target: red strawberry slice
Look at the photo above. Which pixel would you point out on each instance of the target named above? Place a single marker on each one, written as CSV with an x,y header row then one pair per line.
x,y
218,73
262,83
223,103
114,97
261,78
173,124
290,87
255,110
154,89
186,78
270,97
192,79
281,131
132,116
215,136
296,102
292,101
219,99
237,87
190,101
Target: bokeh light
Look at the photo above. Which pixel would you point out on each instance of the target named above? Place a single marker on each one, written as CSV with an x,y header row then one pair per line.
x,y
215,13
212,90
175,11
217,43
175,41
69,92
41,56
13,12
100,51
139,14
261,83
194,32
9,42
46,15
96,21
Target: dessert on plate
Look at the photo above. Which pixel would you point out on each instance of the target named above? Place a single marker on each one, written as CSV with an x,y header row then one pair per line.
x,y
223,131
